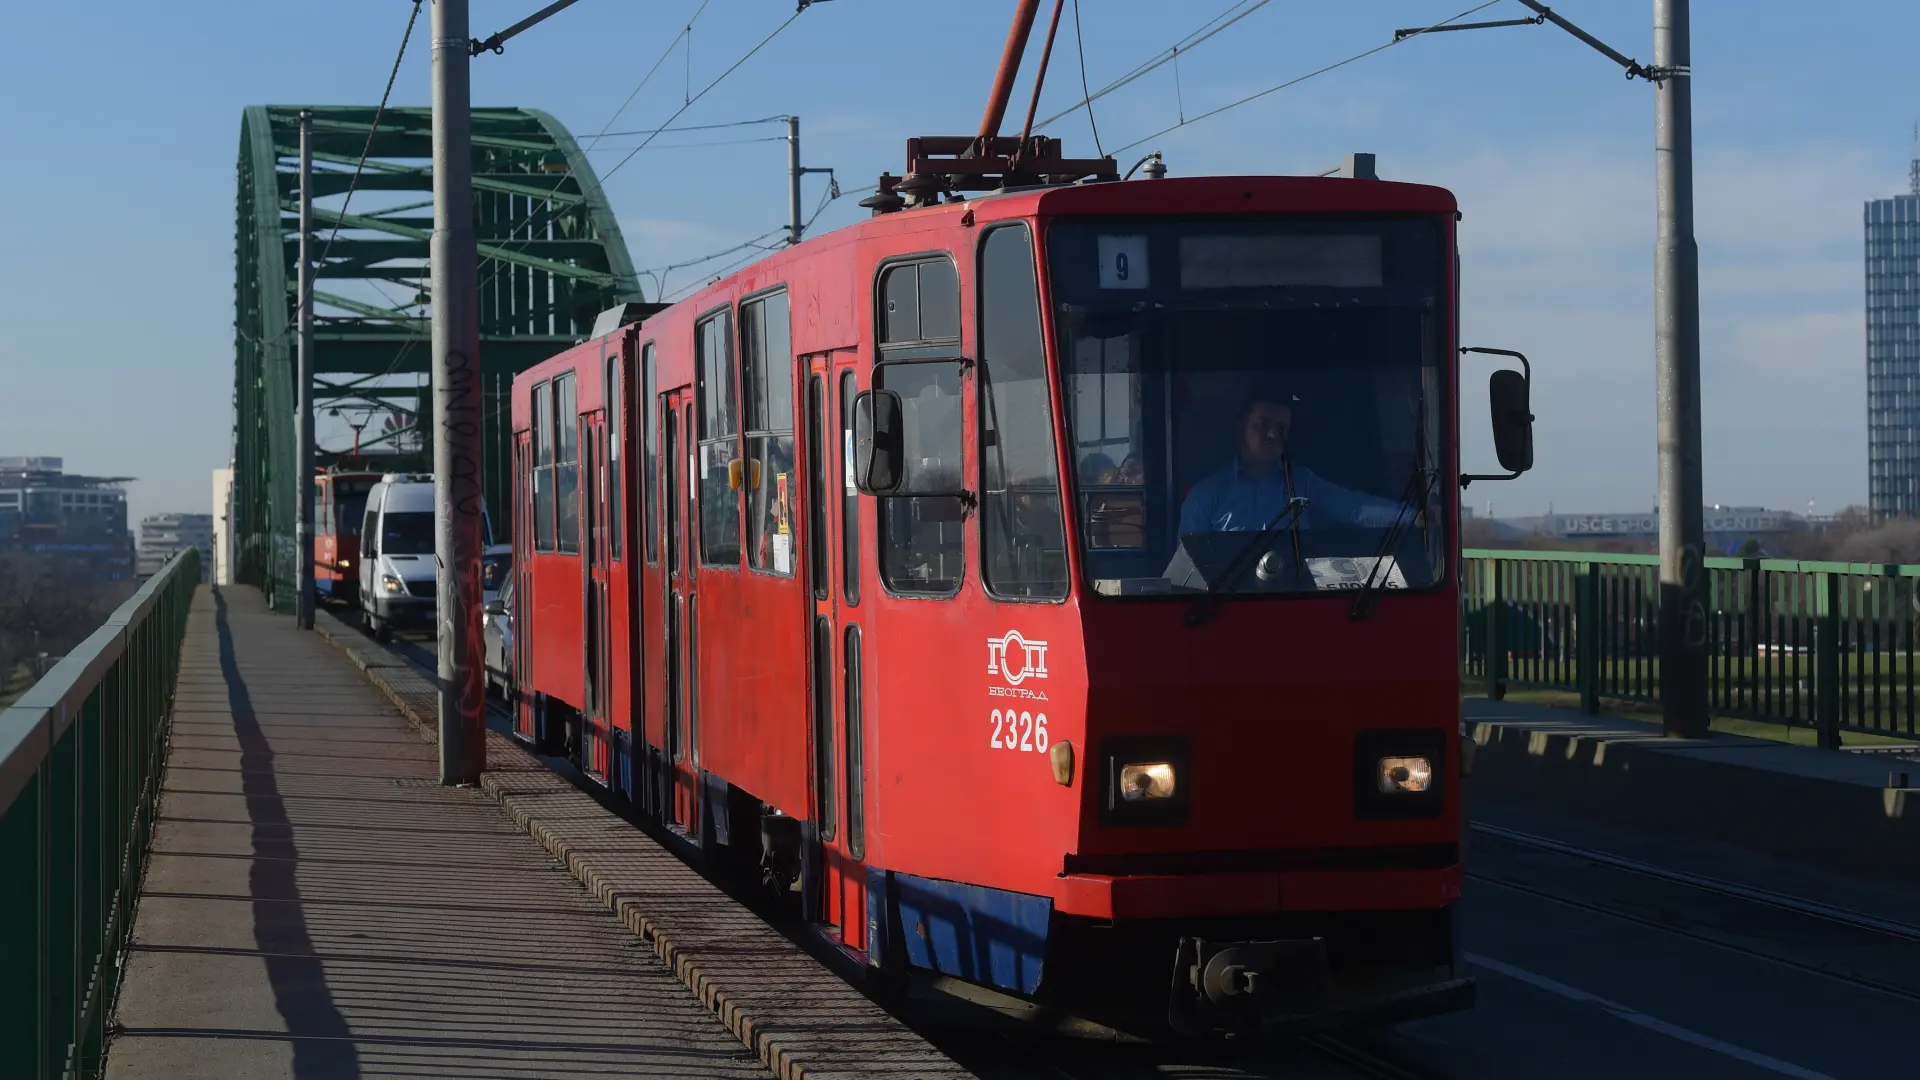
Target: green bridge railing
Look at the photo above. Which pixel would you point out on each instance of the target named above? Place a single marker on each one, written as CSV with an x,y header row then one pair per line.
x,y
1824,645
80,759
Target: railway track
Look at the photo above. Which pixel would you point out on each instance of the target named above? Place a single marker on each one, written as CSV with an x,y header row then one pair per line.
x,y
1872,927
1039,1057
1359,1060
1781,901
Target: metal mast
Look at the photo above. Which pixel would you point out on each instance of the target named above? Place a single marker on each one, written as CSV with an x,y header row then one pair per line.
x,y
1676,290
456,402
303,393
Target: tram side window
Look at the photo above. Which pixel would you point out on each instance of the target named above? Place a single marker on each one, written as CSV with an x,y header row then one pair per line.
x,y
850,501
768,479
566,466
920,539
616,523
920,304
1023,540
650,454
719,443
921,550
543,467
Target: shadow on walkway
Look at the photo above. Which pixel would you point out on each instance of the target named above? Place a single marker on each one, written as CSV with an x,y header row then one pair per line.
x,y
318,1031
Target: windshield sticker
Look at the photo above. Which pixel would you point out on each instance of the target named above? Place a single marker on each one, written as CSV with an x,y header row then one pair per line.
x,y
1123,262
1355,573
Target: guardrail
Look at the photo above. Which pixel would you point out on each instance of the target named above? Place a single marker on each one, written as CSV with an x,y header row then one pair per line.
x,y
80,758
1824,645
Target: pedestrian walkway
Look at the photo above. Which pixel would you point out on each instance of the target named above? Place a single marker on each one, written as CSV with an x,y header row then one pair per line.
x,y
317,906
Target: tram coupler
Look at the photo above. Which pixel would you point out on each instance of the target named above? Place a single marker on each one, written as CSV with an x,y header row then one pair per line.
x,y
1236,987
780,843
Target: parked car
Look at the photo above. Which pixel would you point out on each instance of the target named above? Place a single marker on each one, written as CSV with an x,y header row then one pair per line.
x,y
496,628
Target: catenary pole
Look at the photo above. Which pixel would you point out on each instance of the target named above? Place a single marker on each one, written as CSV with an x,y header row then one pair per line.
x,y
456,402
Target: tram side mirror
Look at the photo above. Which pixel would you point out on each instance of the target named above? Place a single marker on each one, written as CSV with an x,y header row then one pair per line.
x,y
1509,395
878,442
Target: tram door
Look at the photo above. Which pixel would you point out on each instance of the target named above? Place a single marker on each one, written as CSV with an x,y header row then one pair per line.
x,y
595,737
677,488
836,647
523,481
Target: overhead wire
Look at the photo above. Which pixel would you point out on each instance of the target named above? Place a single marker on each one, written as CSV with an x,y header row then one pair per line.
x,y
547,202
372,129
366,151
685,31
360,167
658,273
1080,44
684,290
735,66
759,244
1302,78
695,127
699,145
1208,29
600,181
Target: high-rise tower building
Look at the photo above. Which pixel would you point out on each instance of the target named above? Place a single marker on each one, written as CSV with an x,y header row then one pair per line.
x,y
1893,350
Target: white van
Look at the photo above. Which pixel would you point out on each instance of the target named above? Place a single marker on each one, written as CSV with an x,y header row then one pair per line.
x,y
398,575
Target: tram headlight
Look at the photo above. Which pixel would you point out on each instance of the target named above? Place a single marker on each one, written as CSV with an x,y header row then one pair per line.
x,y
1148,780
1395,775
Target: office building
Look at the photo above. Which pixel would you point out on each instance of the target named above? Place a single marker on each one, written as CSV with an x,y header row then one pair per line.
x,y
221,572
80,521
162,536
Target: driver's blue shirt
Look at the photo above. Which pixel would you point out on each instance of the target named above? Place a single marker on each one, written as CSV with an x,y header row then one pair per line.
x,y
1231,501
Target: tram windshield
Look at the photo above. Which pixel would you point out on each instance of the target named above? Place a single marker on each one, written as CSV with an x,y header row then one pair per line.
x,y
350,506
1220,370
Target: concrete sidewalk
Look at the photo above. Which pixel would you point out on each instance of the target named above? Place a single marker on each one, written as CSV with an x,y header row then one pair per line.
x,y
318,906
1853,814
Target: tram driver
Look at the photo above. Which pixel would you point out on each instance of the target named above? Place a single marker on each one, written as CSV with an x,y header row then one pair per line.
x,y
1254,485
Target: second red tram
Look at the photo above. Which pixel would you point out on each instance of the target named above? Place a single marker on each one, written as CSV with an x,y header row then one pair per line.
x,y
339,502
1058,589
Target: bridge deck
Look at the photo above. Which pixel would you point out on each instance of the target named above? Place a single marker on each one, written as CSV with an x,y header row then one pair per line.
x,y
318,906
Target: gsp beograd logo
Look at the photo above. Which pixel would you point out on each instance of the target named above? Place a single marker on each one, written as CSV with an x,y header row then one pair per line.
x,y
1015,660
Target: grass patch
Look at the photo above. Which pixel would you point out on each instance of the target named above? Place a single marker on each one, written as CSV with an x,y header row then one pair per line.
x,y
17,682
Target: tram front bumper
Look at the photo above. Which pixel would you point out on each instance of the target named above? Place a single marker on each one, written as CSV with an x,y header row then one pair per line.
x,y
1159,896
1238,988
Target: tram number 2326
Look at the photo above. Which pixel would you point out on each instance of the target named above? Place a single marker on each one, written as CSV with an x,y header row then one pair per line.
x,y
1019,730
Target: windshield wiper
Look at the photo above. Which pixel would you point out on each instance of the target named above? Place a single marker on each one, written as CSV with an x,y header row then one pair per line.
x,y
1207,606
1363,604
1366,600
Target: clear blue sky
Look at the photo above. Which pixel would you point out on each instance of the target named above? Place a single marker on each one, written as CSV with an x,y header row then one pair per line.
x,y
122,128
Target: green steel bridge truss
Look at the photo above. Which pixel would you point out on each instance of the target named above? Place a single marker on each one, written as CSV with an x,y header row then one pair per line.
x,y
551,259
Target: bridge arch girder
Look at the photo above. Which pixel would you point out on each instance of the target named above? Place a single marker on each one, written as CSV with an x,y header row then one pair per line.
x,y
551,257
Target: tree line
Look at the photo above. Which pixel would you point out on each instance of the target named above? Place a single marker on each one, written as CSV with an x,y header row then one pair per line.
x,y
48,605
1854,535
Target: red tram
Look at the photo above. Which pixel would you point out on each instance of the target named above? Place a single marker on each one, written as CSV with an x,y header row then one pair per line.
x,y
1057,588
339,502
